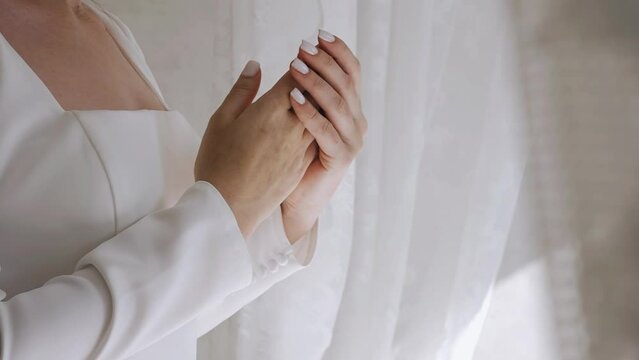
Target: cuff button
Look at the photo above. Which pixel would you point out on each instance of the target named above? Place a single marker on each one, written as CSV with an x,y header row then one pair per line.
x,y
282,259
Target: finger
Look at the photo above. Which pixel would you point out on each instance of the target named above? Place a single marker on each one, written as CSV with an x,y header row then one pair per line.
x,y
243,91
317,125
279,92
338,49
313,102
311,154
333,104
307,137
325,65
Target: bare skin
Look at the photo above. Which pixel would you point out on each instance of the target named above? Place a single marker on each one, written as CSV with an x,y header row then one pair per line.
x,y
333,82
68,47
255,154
298,166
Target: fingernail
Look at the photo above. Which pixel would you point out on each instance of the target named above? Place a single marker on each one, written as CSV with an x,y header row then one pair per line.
x,y
326,36
251,68
298,96
300,66
308,48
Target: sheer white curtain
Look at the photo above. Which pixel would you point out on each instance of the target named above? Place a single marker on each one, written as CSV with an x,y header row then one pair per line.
x,y
411,244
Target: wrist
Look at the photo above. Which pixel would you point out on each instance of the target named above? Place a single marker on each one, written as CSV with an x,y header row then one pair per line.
x,y
245,215
246,219
296,225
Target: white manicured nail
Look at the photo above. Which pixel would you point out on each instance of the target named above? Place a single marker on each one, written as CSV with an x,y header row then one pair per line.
x,y
326,36
308,48
251,68
298,96
300,66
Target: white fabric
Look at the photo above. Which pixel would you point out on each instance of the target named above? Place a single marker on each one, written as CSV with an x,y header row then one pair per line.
x,y
108,248
418,231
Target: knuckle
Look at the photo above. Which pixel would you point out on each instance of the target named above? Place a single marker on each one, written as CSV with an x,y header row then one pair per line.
x,y
351,151
357,63
328,61
317,83
238,93
364,127
242,88
325,128
334,139
314,116
349,84
352,146
264,128
330,134
340,105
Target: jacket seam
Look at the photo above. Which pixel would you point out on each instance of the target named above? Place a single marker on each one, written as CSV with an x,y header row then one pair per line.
x,y
106,173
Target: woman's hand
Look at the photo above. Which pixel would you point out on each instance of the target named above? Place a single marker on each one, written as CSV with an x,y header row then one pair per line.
x,y
330,74
254,154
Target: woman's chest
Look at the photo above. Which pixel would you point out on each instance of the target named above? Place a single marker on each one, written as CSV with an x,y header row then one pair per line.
x,y
76,57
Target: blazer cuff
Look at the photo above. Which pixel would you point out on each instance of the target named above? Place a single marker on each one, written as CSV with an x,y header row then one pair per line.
x,y
269,242
271,250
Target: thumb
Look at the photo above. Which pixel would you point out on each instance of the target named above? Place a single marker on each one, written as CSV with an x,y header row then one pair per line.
x,y
243,91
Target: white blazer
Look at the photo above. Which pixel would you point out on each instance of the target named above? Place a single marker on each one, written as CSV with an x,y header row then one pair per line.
x,y
108,249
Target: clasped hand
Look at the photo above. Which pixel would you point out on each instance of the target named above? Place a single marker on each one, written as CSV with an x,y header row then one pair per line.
x,y
290,148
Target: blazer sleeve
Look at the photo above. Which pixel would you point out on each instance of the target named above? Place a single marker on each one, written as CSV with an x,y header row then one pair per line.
x,y
274,259
150,279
